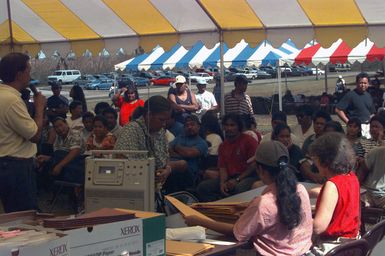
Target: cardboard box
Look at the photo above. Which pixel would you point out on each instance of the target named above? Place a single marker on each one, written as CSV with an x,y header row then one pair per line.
x,y
143,236
28,220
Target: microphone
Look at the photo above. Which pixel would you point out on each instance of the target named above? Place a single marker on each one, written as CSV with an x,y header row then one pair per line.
x,y
33,89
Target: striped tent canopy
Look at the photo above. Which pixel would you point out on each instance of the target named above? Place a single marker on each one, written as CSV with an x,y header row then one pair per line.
x,y
240,55
79,25
338,52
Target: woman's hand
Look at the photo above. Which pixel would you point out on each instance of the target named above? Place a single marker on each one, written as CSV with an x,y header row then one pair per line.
x,y
193,220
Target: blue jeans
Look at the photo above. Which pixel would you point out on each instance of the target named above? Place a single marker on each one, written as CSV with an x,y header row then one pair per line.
x,y
17,184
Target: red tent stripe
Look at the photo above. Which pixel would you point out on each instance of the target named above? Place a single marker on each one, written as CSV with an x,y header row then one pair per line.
x,y
340,55
375,53
306,55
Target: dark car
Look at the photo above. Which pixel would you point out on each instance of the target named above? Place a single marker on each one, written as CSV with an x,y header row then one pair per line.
x,y
143,74
100,84
141,81
305,70
82,81
263,74
270,70
132,80
125,81
163,80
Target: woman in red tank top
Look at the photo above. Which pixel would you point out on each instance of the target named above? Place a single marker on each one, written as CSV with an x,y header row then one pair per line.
x,y
338,202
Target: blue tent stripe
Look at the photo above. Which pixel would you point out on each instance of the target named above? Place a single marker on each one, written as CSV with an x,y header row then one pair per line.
x,y
241,59
158,63
291,43
185,60
214,57
284,50
133,65
271,58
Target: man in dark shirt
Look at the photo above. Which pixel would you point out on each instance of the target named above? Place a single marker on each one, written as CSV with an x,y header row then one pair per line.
x,y
57,104
357,104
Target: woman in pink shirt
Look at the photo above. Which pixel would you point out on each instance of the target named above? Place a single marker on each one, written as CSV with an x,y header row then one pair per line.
x,y
279,222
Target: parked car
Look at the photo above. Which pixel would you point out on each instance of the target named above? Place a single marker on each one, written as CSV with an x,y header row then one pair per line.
x,y
249,74
319,71
339,68
205,76
141,81
100,84
83,80
33,82
293,71
263,74
63,76
143,74
163,80
270,70
305,70
125,81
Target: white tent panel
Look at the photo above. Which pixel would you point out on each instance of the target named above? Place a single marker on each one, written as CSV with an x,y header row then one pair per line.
x,y
177,56
30,21
323,55
262,51
232,53
360,51
100,18
201,56
185,16
155,54
122,66
281,13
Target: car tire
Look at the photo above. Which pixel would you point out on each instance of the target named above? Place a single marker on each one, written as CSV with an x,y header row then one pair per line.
x,y
97,88
253,78
60,82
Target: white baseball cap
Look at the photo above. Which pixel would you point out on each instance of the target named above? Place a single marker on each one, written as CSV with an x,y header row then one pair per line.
x,y
201,81
180,80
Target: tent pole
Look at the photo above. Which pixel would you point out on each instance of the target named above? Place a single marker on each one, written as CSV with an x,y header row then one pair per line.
x,y
279,86
326,77
12,43
222,70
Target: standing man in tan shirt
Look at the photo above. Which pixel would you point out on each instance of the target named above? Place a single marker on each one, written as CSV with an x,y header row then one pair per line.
x,y
19,133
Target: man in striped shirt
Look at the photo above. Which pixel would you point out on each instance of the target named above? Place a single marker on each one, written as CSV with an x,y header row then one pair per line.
x,y
237,101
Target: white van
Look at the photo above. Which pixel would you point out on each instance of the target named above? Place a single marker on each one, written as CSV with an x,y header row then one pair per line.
x,y
63,76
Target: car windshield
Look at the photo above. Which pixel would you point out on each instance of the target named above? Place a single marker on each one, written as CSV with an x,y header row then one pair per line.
x,y
57,73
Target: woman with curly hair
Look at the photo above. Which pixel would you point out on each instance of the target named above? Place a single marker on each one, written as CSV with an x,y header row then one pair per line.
x,y
337,213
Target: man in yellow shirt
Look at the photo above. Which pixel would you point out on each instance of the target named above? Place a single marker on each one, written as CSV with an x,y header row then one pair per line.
x,y
19,133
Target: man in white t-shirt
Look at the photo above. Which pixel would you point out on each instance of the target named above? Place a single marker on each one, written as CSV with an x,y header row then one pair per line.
x,y
205,99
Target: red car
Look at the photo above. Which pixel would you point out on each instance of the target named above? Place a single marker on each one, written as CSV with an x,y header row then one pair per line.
x,y
163,80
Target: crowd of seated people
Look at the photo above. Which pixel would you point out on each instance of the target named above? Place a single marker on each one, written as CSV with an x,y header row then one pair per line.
x,y
216,158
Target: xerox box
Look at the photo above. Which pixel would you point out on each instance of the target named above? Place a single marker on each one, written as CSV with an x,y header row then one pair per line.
x,y
22,236
143,236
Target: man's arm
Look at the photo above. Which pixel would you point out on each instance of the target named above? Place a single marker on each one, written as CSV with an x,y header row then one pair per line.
x,y
188,152
341,114
39,103
72,154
